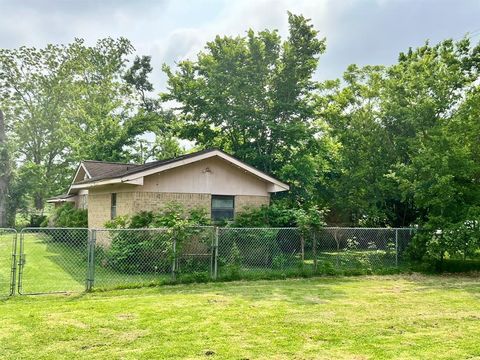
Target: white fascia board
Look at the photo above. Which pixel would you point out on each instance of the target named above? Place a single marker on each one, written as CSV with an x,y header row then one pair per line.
x,y
136,181
277,185
96,183
80,166
85,169
53,201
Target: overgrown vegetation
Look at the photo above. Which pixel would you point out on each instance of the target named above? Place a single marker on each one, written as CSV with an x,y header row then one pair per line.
x,y
383,146
147,251
67,216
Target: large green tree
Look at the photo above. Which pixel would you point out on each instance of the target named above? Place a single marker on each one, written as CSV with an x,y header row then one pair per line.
x,y
35,91
406,153
72,102
4,172
252,96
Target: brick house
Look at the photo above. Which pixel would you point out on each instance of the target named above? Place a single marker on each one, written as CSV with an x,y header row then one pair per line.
x,y
211,179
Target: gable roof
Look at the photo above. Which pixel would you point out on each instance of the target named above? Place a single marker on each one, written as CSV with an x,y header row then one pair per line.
x,y
102,169
102,173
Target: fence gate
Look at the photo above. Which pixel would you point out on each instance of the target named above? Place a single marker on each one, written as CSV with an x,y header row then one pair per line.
x,y
8,245
52,260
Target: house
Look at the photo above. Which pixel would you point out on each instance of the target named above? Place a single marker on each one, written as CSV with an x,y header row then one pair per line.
x,y
212,179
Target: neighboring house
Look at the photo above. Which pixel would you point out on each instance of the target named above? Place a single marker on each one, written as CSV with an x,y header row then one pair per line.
x,y
210,179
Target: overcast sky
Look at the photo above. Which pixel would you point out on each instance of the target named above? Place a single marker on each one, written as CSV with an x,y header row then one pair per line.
x,y
357,31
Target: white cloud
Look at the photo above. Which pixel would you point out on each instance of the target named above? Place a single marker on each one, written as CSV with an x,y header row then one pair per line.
x,y
357,31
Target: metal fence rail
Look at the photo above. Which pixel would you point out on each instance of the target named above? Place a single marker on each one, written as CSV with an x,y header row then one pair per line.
x,y
47,260
259,250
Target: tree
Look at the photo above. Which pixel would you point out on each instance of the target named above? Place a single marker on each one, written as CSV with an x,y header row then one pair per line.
x,y
4,173
358,191
252,96
431,112
69,103
34,88
406,149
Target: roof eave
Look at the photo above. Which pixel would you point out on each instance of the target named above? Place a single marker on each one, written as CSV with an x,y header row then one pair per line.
x,y
274,185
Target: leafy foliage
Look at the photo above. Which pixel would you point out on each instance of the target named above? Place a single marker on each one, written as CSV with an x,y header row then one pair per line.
x,y
67,216
252,96
137,251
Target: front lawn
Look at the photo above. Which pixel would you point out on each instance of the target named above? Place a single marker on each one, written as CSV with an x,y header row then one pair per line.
x,y
407,317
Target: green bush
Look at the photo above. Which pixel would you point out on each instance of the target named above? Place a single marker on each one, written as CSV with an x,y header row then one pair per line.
x,y
249,247
37,220
444,247
63,220
147,251
265,216
67,216
139,252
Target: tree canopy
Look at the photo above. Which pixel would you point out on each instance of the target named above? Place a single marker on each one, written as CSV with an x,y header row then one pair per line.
x,y
389,145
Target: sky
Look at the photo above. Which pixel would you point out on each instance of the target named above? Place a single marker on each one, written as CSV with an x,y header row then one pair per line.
x,y
357,31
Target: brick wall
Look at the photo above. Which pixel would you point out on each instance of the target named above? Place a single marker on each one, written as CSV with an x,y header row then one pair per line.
x,y
153,201
129,203
246,201
98,209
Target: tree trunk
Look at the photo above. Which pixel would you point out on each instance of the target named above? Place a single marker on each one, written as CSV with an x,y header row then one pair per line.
x,y
4,172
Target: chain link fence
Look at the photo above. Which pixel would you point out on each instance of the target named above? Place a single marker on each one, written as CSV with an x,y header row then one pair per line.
x,y
125,257
361,249
47,260
258,251
52,260
8,245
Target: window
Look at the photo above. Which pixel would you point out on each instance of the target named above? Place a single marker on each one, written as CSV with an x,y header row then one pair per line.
x,y
222,207
113,209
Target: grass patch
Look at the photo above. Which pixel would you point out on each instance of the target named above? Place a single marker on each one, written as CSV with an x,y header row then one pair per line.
x,y
407,317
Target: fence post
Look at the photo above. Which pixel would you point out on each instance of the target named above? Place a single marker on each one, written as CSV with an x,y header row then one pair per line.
x,y
215,254
20,263
92,239
174,261
396,247
314,251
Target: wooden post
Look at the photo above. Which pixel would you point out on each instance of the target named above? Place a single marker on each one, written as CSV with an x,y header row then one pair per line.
x,y
314,250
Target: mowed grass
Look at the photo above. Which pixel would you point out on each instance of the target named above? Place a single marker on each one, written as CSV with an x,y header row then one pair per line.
x,y
6,241
376,317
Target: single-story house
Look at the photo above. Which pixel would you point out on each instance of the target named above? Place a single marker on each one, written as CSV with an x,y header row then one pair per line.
x,y
211,179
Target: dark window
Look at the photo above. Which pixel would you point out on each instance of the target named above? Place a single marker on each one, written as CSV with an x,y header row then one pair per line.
x,y
113,209
222,207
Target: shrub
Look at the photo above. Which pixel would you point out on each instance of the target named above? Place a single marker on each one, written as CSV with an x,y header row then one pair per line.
x,y
37,220
67,216
139,251
440,241
265,216
64,217
146,251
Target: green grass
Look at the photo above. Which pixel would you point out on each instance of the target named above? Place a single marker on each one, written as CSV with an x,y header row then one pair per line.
x,y
389,317
5,262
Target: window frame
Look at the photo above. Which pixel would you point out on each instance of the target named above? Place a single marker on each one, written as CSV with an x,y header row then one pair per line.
x,y
212,209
